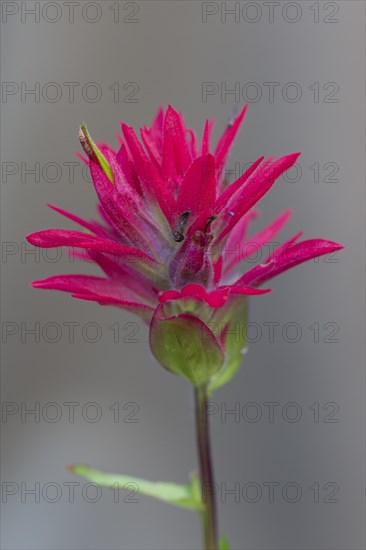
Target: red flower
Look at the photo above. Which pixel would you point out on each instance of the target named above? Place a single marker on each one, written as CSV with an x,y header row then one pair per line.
x,y
172,231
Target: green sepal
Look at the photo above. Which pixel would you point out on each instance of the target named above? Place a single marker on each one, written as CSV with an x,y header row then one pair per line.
x,y
224,543
185,346
184,496
93,152
234,345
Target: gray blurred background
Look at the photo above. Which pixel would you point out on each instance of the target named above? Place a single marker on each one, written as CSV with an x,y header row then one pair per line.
x,y
298,477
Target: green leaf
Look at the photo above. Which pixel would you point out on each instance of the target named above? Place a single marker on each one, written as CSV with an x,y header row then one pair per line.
x,y
224,543
93,152
179,495
187,347
234,345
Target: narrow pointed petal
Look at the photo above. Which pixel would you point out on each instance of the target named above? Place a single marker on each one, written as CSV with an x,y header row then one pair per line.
x,y
53,238
255,243
225,142
232,248
145,312
151,147
192,144
197,192
245,289
125,211
224,198
287,258
217,269
90,226
89,284
283,247
176,156
153,186
120,179
128,169
81,283
207,132
157,128
136,282
257,185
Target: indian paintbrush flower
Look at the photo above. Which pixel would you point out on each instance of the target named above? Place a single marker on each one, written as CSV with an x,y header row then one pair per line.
x,y
170,237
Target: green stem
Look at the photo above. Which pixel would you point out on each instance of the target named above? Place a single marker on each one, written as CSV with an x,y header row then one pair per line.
x,y
206,470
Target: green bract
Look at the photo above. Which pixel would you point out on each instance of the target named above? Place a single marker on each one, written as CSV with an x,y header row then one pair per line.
x,y
187,347
234,345
93,152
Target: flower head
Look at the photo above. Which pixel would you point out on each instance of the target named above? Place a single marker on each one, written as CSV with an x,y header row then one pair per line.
x,y
170,237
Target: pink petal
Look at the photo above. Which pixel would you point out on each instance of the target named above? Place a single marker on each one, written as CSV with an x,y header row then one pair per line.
x,y
88,284
91,226
224,198
176,157
153,186
157,129
128,169
124,210
257,185
192,143
282,247
286,258
254,243
52,238
231,250
80,283
215,298
245,289
207,132
151,147
122,179
133,281
198,188
226,141
143,311
217,267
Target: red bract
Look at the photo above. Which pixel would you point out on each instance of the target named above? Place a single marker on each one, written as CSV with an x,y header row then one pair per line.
x,y
171,229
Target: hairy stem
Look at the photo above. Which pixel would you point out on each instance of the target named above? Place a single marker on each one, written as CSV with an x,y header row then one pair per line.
x,y
206,470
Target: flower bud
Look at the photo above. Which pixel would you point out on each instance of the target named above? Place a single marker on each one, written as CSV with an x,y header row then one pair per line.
x,y
185,346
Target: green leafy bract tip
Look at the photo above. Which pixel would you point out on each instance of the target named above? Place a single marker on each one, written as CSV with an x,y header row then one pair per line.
x,y
93,152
